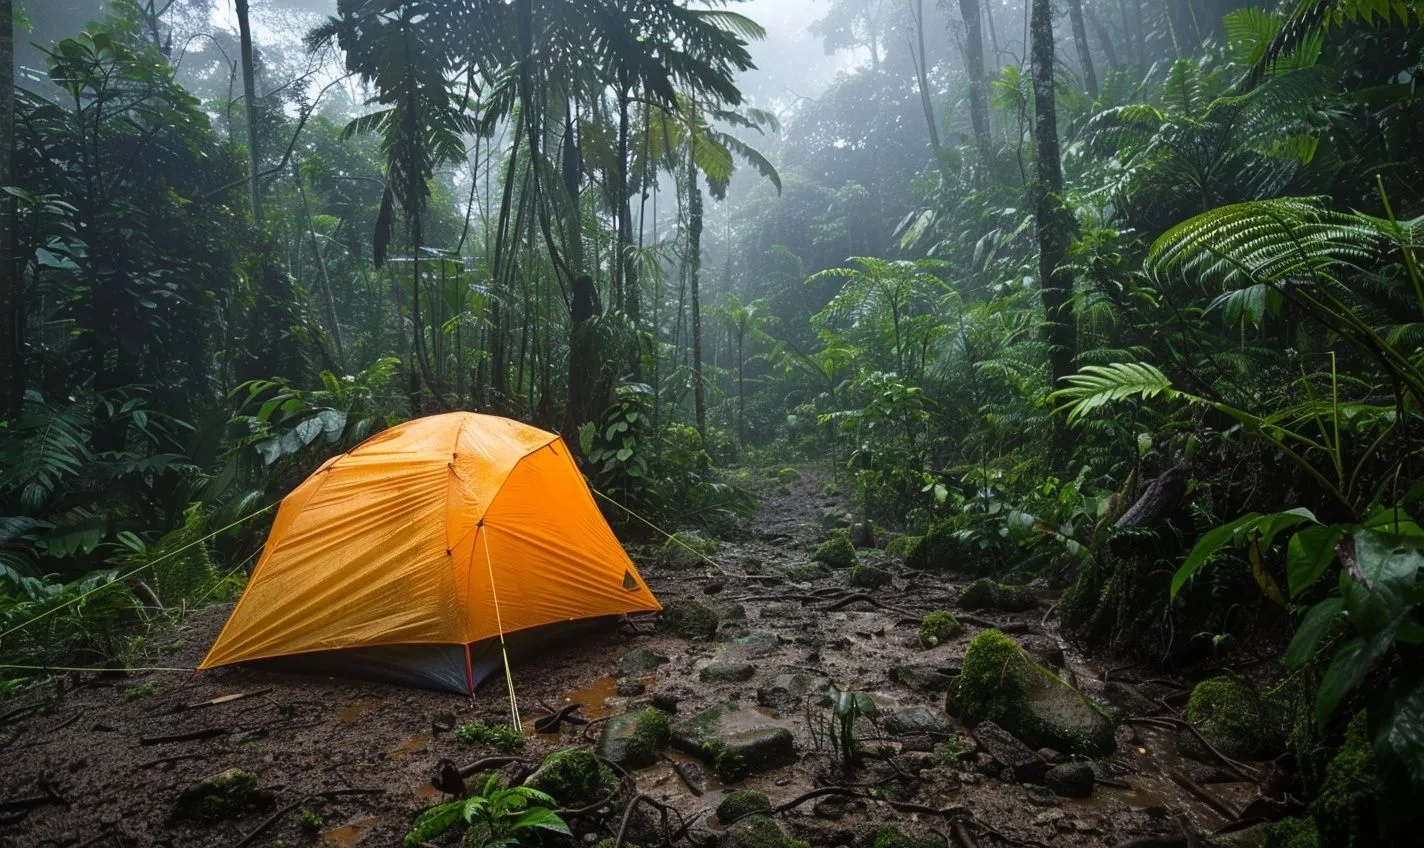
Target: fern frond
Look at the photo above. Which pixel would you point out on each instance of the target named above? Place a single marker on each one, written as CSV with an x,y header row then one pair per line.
x,y
1095,386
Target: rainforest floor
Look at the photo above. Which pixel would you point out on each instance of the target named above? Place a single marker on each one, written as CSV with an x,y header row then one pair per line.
x,y
101,761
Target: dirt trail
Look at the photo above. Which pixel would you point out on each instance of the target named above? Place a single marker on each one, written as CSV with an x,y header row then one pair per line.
x,y
119,756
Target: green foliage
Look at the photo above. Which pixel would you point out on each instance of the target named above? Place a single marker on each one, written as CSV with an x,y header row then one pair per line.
x,y
837,551
847,709
742,803
1228,714
501,737
496,816
312,821
573,778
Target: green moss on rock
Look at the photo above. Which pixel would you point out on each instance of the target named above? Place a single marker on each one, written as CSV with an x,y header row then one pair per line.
x,y
1001,683
574,778
759,832
891,836
686,549
689,619
985,594
902,546
634,740
788,476
1344,809
867,577
837,551
742,803
938,550
1228,714
938,627
221,797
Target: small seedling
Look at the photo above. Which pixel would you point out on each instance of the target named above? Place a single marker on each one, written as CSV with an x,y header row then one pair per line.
x,y
501,737
312,821
138,692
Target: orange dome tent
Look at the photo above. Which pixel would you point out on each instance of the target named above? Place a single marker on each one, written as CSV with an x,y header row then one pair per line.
x,y
412,557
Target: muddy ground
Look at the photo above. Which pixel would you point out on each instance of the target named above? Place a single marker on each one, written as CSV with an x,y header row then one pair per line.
x,y
110,757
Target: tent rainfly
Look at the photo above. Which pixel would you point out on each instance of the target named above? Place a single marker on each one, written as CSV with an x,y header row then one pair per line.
x,y
414,557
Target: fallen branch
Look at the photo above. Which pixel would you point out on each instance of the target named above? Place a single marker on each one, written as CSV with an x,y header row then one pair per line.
x,y
173,759
272,819
224,699
861,598
487,764
1206,797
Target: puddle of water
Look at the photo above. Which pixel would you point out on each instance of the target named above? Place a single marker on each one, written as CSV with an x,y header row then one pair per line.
x,y
594,697
1154,757
410,746
350,713
349,834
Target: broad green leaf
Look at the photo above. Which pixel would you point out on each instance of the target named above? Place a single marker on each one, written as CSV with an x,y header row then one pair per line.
x,y
1309,553
1318,623
1402,733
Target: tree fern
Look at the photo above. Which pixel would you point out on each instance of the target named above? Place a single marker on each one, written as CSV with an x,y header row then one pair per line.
x,y
1095,386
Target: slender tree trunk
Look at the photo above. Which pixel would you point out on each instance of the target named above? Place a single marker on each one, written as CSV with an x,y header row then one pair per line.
x,y
249,95
332,324
1080,39
1139,31
1105,40
694,270
922,74
978,87
12,302
1053,223
583,368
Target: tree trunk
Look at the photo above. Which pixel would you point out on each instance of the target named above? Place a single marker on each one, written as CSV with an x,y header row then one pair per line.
x,y
1080,39
1053,223
330,302
12,375
1105,40
582,356
694,269
922,74
974,65
249,95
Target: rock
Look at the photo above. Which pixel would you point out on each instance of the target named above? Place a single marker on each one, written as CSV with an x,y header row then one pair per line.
x,y
901,547
731,611
837,551
724,671
1128,700
862,534
938,627
574,778
220,797
920,677
758,832
1001,683
804,573
890,836
788,476
631,687
1045,649
714,586
833,808
736,742
985,594
1071,780
687,549
756,645
921,721
788,690
1009,752
742,803
867,577
665,701
633,740
835,518
1227,713
639,662
689,619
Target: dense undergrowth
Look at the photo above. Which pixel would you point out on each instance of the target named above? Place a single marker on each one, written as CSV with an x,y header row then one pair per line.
x,y
1228,468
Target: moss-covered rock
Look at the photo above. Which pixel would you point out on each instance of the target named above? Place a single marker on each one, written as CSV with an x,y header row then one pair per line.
x,y
902,546
1227,713
1293,833
689,619
759,832
726,671
1344,809
867,577
742,803
226,795
837,551
736,742
687,549
634,740
938,627
985,594
1001,683
938,550
788,476
891,836
574,778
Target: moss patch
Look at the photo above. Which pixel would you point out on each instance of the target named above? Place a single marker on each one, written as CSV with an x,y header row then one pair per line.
x,y
759,832
1344,809
634,740
938,627
686,550
891,836
788,476
502,737
902,547
689,619
1227,713
867,577
1293,833
742,803
1000,683
837,551
574,778
985,594
220,797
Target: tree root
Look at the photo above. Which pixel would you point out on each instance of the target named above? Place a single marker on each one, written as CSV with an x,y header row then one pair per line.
x,y
272,819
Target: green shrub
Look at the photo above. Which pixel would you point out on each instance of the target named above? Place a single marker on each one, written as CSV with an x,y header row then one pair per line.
x,y
501,737
938,627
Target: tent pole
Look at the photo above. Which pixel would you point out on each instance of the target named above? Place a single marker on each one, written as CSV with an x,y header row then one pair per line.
x,y
499,622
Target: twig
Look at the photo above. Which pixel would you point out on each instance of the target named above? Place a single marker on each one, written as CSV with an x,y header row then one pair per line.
x,y
1239,769
961,835
224,699
173,759
486,764
272,819
858,598
189,736
1203,795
